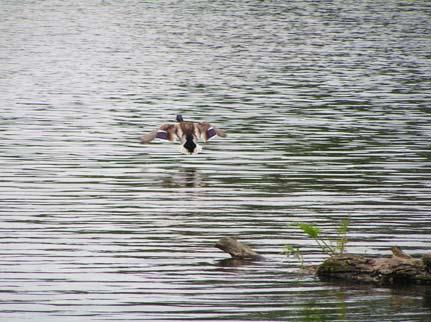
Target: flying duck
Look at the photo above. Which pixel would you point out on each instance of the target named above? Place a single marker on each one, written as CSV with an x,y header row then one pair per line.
x,y
188,133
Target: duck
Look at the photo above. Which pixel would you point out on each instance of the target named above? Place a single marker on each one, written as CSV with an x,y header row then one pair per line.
x,y
187,132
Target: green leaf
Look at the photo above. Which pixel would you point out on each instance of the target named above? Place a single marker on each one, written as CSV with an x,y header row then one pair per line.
x,y
311,230
289,250
344,227
342,235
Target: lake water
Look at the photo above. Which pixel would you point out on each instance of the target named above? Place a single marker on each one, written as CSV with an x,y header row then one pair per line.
x,y
327,109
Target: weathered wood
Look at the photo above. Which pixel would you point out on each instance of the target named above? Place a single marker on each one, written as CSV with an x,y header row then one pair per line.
x,y
397,252
427,261
401,268
398,269
236,249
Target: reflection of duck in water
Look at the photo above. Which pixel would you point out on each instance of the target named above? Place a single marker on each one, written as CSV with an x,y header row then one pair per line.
x,y
185,178
188,133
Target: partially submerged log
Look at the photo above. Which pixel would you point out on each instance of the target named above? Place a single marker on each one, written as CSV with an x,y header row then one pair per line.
x,y
236,249
398,269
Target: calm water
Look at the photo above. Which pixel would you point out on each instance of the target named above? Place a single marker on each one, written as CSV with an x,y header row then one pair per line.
x,y
327,106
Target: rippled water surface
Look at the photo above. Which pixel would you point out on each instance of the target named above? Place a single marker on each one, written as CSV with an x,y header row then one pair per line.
x,y
327,107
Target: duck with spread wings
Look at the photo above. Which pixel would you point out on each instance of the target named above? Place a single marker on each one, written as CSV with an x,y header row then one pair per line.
x,y
187,132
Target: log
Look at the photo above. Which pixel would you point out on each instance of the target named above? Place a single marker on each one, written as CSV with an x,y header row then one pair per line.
x,y
427,261
236,249
401,268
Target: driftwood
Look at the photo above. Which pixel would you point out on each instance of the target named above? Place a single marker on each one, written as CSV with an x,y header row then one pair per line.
x,y
398,269
236,249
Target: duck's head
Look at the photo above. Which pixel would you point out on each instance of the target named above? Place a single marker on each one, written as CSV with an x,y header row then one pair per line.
x,y
190,146
188,135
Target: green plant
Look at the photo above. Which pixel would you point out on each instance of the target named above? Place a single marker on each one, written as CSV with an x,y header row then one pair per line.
x,y
342,231
328,246
314,233
290,250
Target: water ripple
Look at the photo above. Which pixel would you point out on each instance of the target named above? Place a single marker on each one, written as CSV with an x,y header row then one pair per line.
x,y
326,107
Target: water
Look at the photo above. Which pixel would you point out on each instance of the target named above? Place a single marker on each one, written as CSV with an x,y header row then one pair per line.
x,y
327,110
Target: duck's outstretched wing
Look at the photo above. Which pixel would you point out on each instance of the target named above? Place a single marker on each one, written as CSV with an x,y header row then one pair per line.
x,y
164,132
208,131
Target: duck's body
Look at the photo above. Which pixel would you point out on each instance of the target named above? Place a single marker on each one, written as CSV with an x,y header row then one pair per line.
x,y
188,133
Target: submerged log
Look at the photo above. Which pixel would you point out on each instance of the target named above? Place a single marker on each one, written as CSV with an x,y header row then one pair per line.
x,y
398,269
236,249
427,261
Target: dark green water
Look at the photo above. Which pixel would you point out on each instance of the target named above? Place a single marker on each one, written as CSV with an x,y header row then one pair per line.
x,y
327,107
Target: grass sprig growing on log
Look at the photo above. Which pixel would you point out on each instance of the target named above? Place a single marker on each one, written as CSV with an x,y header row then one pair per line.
x,y
328,246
